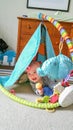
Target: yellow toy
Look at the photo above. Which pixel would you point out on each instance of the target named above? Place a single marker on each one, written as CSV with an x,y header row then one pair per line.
x,y
39,88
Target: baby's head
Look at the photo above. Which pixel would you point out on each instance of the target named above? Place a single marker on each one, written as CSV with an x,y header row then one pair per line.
x,y
31,72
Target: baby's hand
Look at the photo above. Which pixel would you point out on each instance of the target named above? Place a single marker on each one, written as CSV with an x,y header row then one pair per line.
x,y
39,88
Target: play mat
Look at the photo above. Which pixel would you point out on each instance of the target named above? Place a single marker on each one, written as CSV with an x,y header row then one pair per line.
x,y
7,81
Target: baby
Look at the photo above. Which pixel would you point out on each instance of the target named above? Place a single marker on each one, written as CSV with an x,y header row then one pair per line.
x,y
40,85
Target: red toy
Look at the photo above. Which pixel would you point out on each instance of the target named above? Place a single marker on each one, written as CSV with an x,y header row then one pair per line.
x,y
54,98
12,91
65,82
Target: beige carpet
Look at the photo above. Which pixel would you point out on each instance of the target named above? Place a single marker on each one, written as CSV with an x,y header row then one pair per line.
x,y
15,116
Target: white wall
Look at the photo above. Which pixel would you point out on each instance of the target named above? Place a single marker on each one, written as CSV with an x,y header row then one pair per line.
x,y
11,9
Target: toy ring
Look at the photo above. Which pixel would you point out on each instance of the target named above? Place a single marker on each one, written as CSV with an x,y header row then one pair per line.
x,y
28,103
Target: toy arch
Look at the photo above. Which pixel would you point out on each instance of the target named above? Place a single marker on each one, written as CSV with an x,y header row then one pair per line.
x,y
70,46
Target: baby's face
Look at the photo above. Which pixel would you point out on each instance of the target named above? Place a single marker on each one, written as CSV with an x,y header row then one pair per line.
x,y
32,74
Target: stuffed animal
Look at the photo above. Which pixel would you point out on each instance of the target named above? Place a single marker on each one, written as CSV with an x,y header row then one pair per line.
x,y
55,68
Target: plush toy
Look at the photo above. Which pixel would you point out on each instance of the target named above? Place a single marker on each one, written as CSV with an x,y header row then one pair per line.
x,y
57,67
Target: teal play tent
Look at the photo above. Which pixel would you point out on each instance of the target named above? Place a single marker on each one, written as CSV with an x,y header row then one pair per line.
x,y
29,52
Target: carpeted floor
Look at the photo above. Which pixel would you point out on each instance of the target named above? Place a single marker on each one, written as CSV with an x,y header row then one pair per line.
x,y
15,116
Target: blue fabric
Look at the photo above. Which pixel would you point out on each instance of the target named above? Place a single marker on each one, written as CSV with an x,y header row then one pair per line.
x,y
41,58
45,38
47,91
49,47
57,67
25,58
4,79
28,53
10,54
